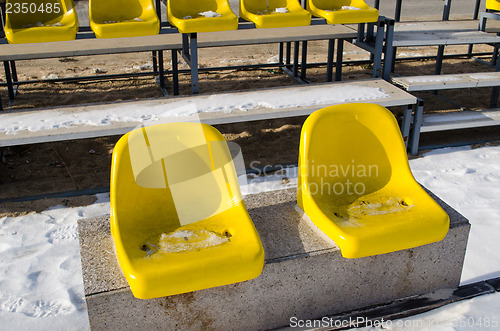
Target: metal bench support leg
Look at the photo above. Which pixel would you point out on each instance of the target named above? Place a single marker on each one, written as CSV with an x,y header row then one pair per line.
x,y
280,53
379,49
417,124
494,97
397,12
8,78
474,17
495,90
175,73
193,45
161,74
361,32
303,65
439,60
494,57
185,44
482,21
446,10
339,60
329,62
155,61
13,69
406,123
295,59
288,55
393,60
389,56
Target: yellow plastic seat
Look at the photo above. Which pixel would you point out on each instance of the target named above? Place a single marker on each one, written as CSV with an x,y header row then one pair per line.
x,y
178,220
38,21
493,5
201,15
356,185
274,13
343,11
123,18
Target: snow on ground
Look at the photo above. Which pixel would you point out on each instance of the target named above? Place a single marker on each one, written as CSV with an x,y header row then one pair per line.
x,y
41,285
430,79
469,180
40,271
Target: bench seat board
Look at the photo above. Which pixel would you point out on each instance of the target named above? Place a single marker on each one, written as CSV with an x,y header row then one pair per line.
x,y
460,120
82,47
169,41
444,82
154,108
263,36
442,33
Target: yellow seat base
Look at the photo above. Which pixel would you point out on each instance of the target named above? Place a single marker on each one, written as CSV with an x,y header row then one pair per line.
x,y
356,186
201,16
343,12
38,27
493,5
178,221
120,19
274,13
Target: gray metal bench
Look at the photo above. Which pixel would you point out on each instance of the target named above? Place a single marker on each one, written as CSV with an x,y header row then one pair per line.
x,y
386,95
456,120
434,33
369,36
247,35
85,45
460,120
188,44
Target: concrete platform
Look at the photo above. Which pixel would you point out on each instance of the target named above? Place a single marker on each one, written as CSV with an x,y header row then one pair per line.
x,y
304,276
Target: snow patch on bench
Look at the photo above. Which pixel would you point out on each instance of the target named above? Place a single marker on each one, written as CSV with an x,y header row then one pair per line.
x,y
226,103
432,79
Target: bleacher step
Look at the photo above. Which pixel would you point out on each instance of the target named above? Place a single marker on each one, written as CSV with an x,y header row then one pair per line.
x,y
460,120
445,82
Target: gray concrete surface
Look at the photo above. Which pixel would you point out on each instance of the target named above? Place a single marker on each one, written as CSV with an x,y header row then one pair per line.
x,y
304,276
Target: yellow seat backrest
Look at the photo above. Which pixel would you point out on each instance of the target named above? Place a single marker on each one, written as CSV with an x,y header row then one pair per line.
x,y
493,5
355,143
171,175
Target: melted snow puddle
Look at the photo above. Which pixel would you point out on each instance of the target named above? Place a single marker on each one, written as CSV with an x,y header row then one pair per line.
x,y
206,14
344,8
186,241
281,10
363,208
431,79
40,24
136,19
